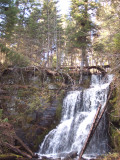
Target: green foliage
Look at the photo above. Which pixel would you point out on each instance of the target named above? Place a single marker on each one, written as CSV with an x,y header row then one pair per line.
x,y
116,43
16,59
107,42
111,156
30,28
8,17
79,27
3,156
1,110
115,139
98,47
82,22
54,63
58,112
5,120
114,119
1,116
36,102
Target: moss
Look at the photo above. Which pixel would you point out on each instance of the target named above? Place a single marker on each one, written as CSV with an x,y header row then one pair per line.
x,y
29,120
10,155
114,119
58,112
1,112
39,138
28,99
86,83
110,156
115,139
26,93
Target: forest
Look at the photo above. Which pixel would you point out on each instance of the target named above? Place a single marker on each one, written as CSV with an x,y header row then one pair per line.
x,y
44,57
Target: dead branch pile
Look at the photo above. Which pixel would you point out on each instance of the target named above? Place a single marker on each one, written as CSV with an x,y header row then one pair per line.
x,y
8,141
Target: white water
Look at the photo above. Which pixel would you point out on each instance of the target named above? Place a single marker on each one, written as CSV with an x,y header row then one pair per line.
x,y
79,109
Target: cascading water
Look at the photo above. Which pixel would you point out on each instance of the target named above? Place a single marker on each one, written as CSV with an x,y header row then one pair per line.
x,y
79,109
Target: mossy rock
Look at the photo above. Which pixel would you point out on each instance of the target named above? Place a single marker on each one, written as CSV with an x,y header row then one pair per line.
x,y
115,139
114,119
110,156
10,156
58,112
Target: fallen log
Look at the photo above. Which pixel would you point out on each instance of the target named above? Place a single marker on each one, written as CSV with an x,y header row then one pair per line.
x,y
75,67
94,126
96,67
8,157
102,112
50,72
89,135
16,150
24,145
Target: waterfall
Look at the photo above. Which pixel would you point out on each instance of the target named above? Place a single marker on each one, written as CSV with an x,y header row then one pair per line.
x,y
79,109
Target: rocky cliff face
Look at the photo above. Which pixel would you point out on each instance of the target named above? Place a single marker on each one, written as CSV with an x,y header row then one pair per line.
x,y
32,103
114,121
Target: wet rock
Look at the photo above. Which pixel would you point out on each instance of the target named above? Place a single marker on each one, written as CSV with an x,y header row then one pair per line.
x,y
71,155
46,158
30,125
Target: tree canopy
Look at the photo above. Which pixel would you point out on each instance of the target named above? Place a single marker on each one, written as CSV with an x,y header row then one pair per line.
x,y
36,30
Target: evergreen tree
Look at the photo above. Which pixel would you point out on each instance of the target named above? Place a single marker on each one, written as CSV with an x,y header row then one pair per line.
x,y
45,28
106,45
82,26
35,30
51,28
8,17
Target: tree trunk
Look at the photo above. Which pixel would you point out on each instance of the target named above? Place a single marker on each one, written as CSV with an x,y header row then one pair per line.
x,y
9,157
24,146
84,57
90,133
95,124
16,150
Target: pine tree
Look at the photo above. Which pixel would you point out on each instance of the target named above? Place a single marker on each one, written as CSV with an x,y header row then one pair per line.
x,y
106,45
51,27
8,16
83,25
45,28
36,32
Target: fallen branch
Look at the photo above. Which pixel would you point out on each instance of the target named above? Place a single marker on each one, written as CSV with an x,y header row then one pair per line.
x,y
95,124
98,68
101,114
16,150
24,146
53,73
8,157
90,133
51,70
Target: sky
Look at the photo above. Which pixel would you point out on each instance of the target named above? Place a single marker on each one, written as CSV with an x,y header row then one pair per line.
x,y
64,6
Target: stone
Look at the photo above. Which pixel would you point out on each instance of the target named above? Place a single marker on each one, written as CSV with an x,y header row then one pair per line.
x,y
71,155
